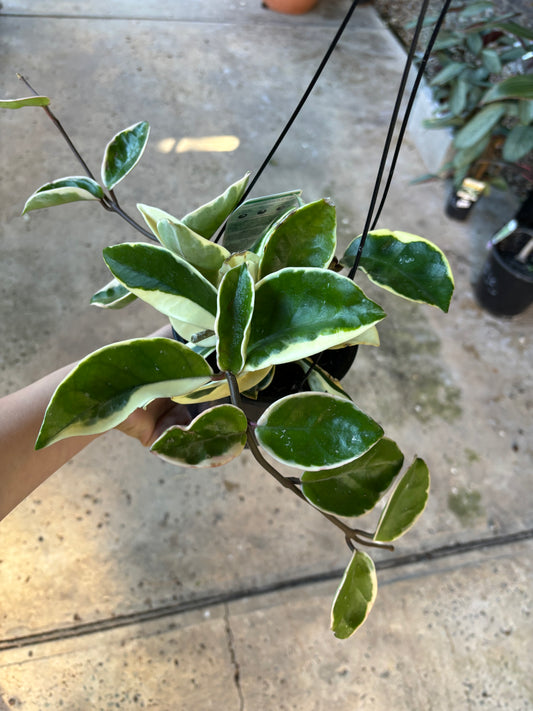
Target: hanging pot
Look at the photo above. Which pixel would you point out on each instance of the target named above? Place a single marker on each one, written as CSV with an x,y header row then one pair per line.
x,y
505,285
290,7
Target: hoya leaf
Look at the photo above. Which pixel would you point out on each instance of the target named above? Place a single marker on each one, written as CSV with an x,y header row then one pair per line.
x,y
305,238
109,384
517,87
25,101
206,256
165,281
62,191
356,487
232,325
215,437
123,153
479,126
301,311
406,503
219,389
209,217
316,431
355,596
153,215
113,296
319,380
405,264
251,221
518,143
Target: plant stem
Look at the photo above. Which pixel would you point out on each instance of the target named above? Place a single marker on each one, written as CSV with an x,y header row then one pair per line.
x,y
109,203
350,534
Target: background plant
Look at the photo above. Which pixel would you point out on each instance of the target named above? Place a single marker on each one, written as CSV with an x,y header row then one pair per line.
x,y
270,294
483,93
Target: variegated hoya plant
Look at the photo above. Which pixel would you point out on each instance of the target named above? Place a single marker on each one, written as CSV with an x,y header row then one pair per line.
x,y
270,294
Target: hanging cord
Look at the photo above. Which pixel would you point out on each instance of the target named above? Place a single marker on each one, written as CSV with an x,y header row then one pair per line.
x,y
403,127
298,108
410,103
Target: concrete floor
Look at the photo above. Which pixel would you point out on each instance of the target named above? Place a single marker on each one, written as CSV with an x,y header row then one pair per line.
x,y
128,583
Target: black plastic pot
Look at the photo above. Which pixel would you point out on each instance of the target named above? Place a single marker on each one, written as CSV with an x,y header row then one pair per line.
x,y
458,207
505,286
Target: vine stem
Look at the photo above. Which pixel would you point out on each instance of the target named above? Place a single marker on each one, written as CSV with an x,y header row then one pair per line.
x,y
109,203
350,534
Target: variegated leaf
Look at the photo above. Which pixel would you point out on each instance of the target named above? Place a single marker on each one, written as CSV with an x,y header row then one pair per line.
x,y
109,384
113,295
234,314
316,431
62,191
206,219
301,311
355,596
215,437
123,152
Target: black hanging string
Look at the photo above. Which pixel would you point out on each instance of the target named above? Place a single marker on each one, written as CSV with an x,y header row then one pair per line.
x,y
388,140
410,103
299,107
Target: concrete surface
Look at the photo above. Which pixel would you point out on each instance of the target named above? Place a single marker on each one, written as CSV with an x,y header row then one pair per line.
x,y
128,583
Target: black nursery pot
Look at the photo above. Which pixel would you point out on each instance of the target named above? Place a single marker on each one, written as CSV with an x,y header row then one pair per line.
x,y
289,378
505,286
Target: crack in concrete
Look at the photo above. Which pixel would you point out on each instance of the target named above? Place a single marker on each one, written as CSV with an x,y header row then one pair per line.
x,y
233,657
224,598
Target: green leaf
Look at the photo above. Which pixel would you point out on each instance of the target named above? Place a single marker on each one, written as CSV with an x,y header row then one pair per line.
x,y
458,96
305,238
479,126
474,42
316,431
215,437
511,55
516,29
355,596
209,217
251,220
491,60
208,257
301,311
232,325
443,122
356,487
467,156
405,264
113,296
123,153
518,87
406,503
525,112
449,72
26,101
108,385
165,281
518,143
476,8
62,191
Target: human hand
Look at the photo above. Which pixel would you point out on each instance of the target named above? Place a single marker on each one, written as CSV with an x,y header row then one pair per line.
x,y
148,423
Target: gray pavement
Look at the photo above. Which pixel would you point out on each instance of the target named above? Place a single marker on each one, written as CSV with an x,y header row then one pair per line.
x,y
128,583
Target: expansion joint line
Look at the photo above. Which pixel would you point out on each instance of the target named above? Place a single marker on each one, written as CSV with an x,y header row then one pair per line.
x,y
233,656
